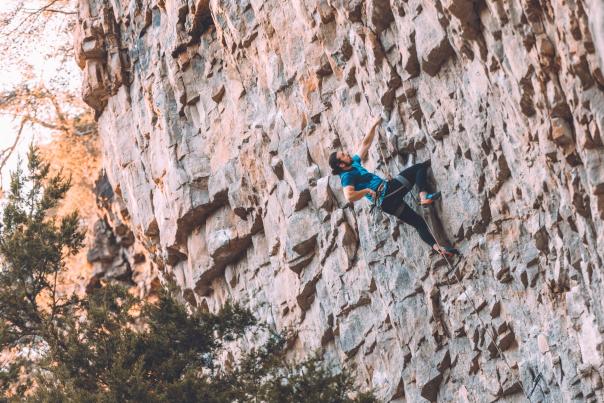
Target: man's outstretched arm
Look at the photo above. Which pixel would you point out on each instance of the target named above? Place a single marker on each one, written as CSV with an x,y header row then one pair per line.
x,y
367,140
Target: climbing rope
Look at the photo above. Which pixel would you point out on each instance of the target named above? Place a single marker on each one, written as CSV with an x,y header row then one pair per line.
x,y
464,289
493,335
475,308
492,332
452,269
537,379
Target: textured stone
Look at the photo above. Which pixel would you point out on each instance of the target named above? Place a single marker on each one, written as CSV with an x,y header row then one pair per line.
x,y
542,344
433,47
561,132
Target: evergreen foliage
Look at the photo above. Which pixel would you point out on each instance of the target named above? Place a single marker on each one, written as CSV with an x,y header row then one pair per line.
x,y
113,347
112,353
33,245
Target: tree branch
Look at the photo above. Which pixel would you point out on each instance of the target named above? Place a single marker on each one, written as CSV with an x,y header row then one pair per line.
x,y
52,10
7,152
34,14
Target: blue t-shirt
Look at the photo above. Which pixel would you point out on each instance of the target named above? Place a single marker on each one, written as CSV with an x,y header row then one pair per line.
x,y
360,178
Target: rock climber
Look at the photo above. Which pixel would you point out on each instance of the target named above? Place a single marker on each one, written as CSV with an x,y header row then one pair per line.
x,y
388,195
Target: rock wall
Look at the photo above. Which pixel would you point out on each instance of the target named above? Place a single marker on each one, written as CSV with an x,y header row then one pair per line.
x,y
217,117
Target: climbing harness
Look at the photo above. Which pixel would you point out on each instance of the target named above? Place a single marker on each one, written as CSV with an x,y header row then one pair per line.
x,y
377,201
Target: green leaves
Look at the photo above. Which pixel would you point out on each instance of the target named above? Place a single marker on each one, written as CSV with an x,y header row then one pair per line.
x,y
111,353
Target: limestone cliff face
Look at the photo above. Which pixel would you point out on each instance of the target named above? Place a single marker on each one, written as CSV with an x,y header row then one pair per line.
x,y
216,119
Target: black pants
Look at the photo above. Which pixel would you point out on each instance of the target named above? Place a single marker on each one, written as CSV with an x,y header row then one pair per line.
x,y
395,205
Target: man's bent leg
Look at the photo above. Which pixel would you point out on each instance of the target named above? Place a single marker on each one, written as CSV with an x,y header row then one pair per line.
x,y
417,174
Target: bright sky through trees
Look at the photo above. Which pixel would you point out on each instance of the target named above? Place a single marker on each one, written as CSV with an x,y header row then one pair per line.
x,y
35,51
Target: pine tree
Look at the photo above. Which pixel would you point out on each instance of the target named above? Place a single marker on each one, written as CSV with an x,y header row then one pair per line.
x,y
124,350
33,245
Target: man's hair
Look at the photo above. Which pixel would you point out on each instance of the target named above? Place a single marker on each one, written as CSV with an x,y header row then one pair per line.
x,y
334,163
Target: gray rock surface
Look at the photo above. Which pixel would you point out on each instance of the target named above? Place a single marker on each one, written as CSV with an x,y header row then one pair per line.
x,y
217,118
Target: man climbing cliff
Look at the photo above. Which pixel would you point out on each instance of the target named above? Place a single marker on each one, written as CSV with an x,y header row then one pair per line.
x,y
388,195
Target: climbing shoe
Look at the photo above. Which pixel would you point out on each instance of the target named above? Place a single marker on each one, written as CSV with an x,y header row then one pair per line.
x,y
429,199
447,251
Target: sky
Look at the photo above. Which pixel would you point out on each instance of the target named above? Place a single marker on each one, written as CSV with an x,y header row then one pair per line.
x,y
32,54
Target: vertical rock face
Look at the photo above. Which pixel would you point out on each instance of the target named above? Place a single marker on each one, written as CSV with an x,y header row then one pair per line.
x,y
217,118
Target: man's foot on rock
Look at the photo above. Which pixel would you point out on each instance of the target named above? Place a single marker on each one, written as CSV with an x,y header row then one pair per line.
x,y
445,251
449,252
429,198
